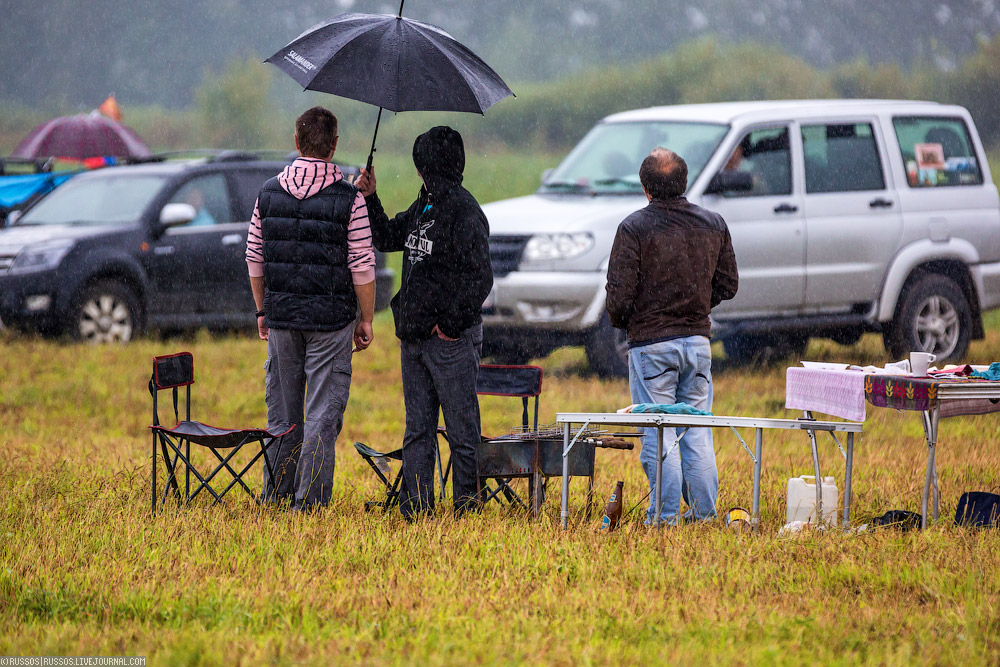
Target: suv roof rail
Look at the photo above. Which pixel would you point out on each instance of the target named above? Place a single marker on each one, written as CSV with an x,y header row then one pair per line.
x,y
223,155
36,165
239,156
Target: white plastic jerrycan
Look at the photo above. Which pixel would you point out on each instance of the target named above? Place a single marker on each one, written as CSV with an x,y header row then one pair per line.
x,y
802,499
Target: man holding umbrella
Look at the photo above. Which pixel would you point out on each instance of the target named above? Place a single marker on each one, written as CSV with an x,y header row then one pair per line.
x,y
446,277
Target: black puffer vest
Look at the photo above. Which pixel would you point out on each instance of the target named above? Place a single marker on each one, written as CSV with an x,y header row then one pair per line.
x,y
308,285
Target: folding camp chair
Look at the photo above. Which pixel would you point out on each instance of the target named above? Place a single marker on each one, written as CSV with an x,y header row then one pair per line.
x,y
518,381
515,381
379,463
175,371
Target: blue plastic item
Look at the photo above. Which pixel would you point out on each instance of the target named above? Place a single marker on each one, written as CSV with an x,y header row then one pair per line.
x,y
672,409
20,188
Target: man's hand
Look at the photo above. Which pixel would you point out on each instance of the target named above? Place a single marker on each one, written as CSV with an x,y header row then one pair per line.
x,y
363,335
262,328
440,335
365,182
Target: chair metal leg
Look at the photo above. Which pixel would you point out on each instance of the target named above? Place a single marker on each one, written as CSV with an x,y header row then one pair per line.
x,y
194,471
238,477
440,471
267,462
154,475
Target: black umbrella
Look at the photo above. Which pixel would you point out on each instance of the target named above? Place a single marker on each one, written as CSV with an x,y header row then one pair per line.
x,y
392,62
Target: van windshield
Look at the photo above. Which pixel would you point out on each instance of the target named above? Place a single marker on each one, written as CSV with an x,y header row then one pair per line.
x,y
607,160
108,199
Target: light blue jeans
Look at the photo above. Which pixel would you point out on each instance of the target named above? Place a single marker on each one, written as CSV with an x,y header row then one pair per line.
x,y
677,371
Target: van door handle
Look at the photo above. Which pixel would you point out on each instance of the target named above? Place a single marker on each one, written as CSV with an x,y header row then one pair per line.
x,y
785,208
231,239
880,203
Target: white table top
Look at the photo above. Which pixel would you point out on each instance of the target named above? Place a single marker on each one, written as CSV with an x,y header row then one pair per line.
x,y
646,419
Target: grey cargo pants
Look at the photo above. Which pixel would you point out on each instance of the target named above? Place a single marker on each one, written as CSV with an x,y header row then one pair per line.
x,y
308,381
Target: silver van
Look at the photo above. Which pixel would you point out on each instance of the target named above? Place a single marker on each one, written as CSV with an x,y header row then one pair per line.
x,y
846,216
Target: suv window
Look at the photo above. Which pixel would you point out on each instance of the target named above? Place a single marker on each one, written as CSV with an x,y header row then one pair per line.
x,y
841,157
210,198
106,197
763,154
937,152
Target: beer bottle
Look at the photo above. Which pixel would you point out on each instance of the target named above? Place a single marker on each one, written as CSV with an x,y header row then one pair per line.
x,y
613,510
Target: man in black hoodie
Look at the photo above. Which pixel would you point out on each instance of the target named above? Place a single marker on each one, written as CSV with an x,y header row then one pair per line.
x,y
437,312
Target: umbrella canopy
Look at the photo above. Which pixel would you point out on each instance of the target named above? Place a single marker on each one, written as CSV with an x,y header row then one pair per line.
x,y
81,136
391,62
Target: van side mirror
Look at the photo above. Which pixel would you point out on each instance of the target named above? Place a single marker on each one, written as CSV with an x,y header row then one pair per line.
x,y
13,217
730,180
174,215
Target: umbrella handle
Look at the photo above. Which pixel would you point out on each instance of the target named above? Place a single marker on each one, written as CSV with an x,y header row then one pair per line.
x,y
371,155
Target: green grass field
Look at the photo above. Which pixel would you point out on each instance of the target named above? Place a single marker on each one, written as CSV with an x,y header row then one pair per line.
x,y
85,569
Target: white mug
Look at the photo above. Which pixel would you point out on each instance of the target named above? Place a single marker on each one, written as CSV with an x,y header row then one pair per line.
x,y
919,362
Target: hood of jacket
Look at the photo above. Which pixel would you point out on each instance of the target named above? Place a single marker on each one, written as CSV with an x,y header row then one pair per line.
x,y
308,175
439,156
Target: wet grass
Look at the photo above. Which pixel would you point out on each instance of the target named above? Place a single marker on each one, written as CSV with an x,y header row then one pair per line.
x,y
84,569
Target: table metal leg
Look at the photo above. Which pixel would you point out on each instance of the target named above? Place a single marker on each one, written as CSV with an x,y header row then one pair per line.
x,y
658,503
819,477
849,470
565,477
758,449
930,418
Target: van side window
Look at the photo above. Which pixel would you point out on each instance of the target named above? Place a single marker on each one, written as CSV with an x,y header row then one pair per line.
x,y
937,152
841,157
764,154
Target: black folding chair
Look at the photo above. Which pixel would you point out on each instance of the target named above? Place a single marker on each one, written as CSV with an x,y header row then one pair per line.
x,y
379,462
175,371
515,381
523,382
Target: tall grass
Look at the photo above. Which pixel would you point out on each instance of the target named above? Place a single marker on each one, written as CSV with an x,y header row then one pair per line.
x,y
85,569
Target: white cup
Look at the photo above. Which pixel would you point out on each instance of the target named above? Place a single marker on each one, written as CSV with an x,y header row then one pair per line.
x,y
919,362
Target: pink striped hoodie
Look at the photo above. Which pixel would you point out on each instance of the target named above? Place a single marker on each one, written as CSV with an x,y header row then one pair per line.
x,y
302,179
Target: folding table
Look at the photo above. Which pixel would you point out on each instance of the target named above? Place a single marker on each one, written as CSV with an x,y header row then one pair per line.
x,y
661,422
844,393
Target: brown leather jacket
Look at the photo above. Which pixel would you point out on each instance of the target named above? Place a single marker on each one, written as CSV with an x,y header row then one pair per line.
x,y
671,263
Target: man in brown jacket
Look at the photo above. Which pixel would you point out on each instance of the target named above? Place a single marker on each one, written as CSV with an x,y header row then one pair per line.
x,y
671,263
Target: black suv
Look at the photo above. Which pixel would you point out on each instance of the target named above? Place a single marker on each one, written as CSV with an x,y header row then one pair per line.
x,y
160,245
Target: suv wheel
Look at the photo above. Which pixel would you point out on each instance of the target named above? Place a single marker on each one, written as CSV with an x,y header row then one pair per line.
x,y
607,350
743,349
105,312
933,316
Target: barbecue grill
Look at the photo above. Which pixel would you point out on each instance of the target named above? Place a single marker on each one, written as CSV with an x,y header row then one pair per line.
x,y
536,455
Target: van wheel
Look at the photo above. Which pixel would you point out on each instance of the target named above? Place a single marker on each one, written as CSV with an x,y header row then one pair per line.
x,y
106,312
933,316
607,350
745,349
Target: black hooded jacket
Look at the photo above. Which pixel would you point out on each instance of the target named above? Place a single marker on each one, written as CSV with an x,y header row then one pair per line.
x,y
445,238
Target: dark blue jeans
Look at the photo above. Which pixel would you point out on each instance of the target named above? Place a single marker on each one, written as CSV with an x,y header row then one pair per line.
x,y
440,376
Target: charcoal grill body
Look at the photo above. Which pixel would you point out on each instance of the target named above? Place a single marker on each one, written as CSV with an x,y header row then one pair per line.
x,y
535,459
